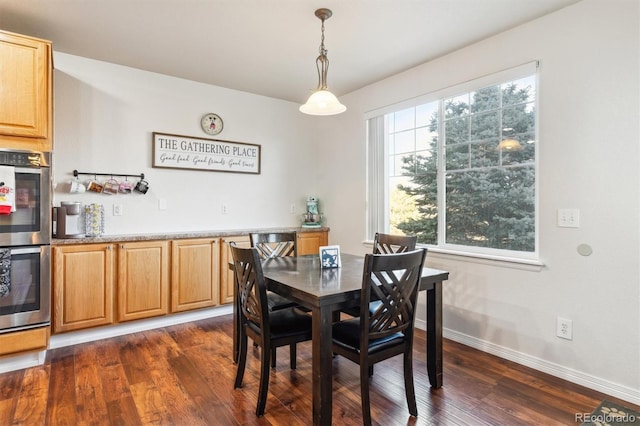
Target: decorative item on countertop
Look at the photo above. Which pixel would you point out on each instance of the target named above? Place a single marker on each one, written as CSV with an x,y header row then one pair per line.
x,y
94,220
312,218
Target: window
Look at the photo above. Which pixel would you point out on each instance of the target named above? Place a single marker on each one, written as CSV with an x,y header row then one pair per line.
x,y
458,168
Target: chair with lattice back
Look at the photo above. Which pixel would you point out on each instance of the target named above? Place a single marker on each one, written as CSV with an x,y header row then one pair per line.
x,y
274,244
269,329
387,331
387,244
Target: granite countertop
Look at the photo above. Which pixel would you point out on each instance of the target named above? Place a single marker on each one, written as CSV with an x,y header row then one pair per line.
x,y
176,235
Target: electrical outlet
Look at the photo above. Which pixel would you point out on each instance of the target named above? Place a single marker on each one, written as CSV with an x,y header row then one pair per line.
x,y
162,203
292,208
564,328
224,209
117,209
569,218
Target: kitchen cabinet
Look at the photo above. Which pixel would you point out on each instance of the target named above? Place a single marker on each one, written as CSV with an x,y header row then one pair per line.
x,y
227,283
310,242
195,276
143,279
26,74
83,285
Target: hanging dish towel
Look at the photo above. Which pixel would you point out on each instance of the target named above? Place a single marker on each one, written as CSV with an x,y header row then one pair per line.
x,y
5,271
7,189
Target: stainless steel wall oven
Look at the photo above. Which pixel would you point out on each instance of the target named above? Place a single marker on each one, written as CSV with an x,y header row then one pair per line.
x,y
25,240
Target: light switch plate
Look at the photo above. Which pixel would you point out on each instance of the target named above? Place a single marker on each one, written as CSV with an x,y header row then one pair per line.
x,y
569,218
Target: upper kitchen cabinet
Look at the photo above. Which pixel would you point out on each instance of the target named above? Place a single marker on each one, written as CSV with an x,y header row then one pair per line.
x,y
26,89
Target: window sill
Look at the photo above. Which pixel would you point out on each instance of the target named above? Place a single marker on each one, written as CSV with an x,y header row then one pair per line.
x,y
483,259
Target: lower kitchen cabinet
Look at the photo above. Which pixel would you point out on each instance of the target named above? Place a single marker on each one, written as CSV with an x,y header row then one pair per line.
x,y
310,242
195,273
227,284
97,284
143,280
83,284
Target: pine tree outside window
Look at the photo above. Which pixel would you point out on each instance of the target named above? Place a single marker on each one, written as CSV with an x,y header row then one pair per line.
x,y
458,168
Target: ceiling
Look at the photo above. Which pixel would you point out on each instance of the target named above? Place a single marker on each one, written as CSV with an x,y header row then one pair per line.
x,y
268,47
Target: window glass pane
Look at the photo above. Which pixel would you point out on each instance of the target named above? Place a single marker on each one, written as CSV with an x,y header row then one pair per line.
x,y
484,154
405,142
456,131
485,99
502,217
485,125
426,114
457,157
456,107
404,119
522,90
518,119
414,204
525,153
425,139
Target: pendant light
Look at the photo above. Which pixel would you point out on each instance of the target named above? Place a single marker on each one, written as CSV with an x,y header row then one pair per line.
x,y
322,101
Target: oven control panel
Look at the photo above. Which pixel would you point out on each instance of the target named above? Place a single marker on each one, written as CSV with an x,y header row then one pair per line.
x,y
23,159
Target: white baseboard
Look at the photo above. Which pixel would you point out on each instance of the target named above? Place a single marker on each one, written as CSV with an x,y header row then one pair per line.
x,y
571,375
19,362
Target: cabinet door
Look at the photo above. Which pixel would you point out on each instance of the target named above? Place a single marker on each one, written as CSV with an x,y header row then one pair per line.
x,y
25,104
227,284
310,242
83,277
143,280
195,279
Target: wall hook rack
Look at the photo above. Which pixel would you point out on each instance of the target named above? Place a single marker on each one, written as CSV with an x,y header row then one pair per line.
x,y
76,173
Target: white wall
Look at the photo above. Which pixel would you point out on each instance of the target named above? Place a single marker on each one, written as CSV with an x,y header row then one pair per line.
x,y
104,115
588,159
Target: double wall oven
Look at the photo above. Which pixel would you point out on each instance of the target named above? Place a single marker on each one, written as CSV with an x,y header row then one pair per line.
x,y
25,240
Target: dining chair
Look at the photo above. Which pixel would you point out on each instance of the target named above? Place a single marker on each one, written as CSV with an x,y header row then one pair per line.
x,y
387,244
270,245
388,330
274,244
390,243
269,329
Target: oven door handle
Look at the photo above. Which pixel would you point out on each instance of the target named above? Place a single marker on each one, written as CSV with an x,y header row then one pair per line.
x,y
25,250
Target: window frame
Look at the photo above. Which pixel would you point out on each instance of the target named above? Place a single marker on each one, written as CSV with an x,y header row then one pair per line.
x,y
378,174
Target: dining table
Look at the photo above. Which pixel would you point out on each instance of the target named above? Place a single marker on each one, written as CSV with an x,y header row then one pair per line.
x,y
324,292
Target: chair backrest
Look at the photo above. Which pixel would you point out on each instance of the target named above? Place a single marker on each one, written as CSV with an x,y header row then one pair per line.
x,y
388,243
251,288
393,279
274,244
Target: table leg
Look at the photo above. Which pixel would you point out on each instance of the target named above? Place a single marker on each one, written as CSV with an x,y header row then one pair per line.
x,y
321,366
434,335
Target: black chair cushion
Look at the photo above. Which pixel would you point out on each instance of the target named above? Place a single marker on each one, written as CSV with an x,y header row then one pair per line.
x,y
285,323
354,312
277,302
347,334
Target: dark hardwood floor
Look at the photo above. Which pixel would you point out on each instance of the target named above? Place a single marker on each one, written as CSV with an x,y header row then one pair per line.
x,y
183,375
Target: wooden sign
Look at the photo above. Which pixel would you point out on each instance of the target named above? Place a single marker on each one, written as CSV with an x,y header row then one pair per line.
x,y
185,152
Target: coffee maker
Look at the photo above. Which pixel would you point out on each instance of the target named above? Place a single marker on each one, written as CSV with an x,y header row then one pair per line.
x,y
68,220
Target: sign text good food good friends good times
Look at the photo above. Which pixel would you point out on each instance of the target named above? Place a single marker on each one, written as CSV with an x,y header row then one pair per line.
x,y
184,152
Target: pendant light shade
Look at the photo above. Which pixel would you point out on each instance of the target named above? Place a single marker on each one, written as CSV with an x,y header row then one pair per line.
x,y
510,145
322,101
